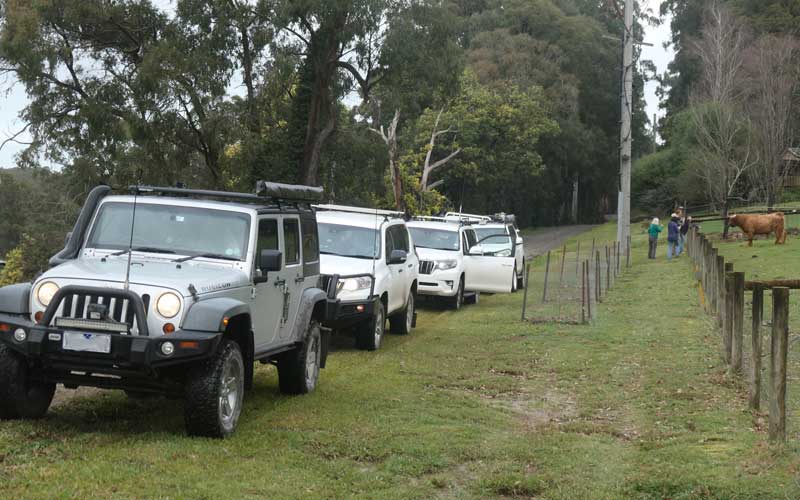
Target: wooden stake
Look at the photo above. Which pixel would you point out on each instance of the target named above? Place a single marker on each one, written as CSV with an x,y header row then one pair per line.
x,y
546,276
777,374
738,324
755,342
525,291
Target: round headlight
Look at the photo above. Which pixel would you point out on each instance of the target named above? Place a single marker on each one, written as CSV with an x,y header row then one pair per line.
x,y
46,292
168,305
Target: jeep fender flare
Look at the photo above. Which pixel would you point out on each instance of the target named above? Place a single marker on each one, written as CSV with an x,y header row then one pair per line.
x,y
16,299
313,304
211,315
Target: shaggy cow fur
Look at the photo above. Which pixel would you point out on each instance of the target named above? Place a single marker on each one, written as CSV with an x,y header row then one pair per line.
x,y
752,225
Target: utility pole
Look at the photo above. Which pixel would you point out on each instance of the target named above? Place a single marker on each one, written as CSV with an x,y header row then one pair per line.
x,y
624,211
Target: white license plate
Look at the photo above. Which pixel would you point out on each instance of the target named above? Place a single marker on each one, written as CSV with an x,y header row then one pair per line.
x,y
87,342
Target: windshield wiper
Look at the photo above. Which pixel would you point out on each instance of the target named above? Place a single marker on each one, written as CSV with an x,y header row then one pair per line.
x,y
207,256
138,249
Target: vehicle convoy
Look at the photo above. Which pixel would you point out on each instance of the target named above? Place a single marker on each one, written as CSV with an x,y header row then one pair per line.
x,y
176,292
368,258
452,266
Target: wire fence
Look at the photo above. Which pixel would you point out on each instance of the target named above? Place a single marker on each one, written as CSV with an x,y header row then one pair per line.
x,y
566,285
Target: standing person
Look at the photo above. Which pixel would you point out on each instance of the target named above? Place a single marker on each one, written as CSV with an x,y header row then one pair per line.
x,y
653,231
673,234
687,223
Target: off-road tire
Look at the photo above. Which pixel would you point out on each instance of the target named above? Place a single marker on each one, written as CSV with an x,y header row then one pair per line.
x,y
298,370
402,322
457,300
21,397
205,390
473,299
368,338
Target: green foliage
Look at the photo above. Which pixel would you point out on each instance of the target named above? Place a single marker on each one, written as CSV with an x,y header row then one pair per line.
x,y
29,258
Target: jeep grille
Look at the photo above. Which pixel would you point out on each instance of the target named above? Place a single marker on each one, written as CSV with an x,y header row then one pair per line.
x,y
426,267
75,306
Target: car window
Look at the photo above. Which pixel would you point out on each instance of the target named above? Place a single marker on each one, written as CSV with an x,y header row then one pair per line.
x,y
471,238
291,238
172,228
439,239
485,232
349,241
399,237
310,241
390,244
267,235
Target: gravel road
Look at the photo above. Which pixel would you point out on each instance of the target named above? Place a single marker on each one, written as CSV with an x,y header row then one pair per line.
x,y
542,240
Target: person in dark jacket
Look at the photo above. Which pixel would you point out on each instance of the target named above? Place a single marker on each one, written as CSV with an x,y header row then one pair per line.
x,y
687,223
653,232
673,235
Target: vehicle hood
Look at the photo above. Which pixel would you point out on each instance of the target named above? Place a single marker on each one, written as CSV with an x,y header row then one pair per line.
x,y
344,266
433,254
151,272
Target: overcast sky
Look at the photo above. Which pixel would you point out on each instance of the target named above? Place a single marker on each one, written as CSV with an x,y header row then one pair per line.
x,y
13,98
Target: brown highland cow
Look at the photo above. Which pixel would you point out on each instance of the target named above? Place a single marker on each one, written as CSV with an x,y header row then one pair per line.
x,y
752,224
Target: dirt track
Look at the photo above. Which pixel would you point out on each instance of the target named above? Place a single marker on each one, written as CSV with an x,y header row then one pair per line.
x,y
542,240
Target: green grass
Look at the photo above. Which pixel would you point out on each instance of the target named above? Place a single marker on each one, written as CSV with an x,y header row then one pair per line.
x,y
472,404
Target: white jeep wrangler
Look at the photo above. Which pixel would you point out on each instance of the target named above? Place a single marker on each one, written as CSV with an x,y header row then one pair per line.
x,y
172,291
451,268
371,266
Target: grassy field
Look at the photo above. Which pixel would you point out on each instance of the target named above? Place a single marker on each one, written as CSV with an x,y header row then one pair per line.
x,y
472,404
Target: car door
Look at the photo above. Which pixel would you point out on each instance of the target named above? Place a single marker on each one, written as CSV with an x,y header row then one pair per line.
x,y
293,265
488,273
402,242
396,288
519,251
266,298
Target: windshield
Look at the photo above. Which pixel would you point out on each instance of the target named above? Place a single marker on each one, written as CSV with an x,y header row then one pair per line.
x,y
485,232
349,241
439,239
171,229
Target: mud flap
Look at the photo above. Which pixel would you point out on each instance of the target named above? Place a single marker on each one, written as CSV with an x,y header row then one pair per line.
x,y
325,339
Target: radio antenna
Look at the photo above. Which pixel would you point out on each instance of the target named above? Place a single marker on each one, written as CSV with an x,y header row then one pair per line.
x,y
461,204
130,243
375,247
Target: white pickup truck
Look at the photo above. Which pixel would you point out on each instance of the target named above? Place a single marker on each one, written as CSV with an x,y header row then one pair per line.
x,y
453,262
367,256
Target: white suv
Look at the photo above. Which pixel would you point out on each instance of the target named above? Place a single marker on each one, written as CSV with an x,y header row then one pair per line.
x,y
369,262
501,223
451,263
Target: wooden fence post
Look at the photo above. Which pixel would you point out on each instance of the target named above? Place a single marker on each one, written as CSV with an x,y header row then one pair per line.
x,y
578,259
738,324
598,289
777,372
727,323
584,291
608,271
617,268
525,291
712,288
628,253
563,259
720,291
755,365
546,276
588,290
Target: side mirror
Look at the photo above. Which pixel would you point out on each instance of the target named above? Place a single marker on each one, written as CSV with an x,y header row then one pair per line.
x,y
475,250
269,260
398,257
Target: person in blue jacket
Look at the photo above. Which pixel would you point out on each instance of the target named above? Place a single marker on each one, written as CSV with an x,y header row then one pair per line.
x,y
673,237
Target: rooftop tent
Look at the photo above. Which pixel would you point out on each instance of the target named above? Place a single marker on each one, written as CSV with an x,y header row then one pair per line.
x,y
280,191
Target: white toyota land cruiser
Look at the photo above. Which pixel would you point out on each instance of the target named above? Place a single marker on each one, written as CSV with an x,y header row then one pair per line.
x,y
450,267
368,258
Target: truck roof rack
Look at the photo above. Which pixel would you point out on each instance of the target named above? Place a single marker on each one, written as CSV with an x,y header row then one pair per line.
x,y
359,210
265,191
469,217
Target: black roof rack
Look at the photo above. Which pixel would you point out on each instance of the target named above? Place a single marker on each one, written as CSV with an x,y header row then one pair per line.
x,y
265,191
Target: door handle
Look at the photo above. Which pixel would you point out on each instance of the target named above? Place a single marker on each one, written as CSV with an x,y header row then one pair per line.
x,y
410,266
280,283
400,270
299,279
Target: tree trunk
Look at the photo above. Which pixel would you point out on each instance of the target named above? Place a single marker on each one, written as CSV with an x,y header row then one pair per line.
x,y
247,70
